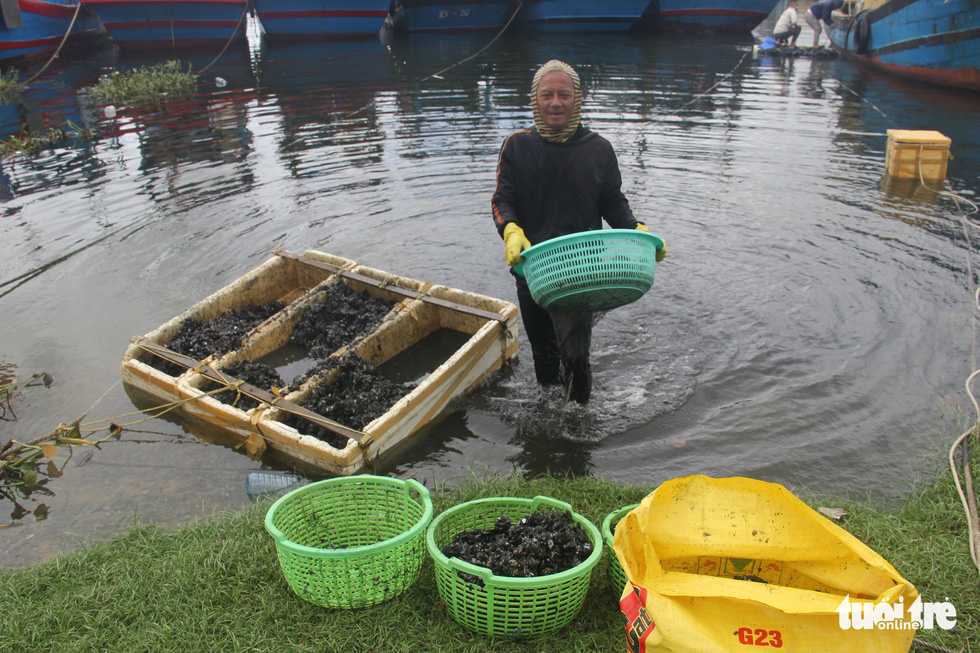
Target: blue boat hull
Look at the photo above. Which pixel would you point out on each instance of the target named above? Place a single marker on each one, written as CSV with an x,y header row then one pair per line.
x,y
317,19
581,15
713,15
43,27
936,41
151,24
441,16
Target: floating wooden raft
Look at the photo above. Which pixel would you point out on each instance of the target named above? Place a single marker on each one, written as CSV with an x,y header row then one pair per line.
x,y
818,52
420,309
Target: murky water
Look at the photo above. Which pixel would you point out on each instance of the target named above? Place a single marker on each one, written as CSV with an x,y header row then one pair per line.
x,y
811,325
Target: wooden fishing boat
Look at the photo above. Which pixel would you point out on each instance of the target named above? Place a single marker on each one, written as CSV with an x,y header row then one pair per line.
x,y
712,15
38,27
440,16
162,24
580,15
280,426
284,20
935,41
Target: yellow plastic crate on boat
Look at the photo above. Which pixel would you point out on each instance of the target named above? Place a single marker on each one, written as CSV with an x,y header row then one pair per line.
x,y
911,152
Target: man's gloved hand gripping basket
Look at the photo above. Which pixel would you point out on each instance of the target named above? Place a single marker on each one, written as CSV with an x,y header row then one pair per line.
x,y
590,271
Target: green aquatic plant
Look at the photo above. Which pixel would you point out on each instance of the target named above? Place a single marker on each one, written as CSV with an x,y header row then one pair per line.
x,y
160,83
9,388
26,467
29,144
10,86
20,472
24,143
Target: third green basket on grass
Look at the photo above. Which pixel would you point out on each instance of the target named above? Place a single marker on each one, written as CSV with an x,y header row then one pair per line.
x,y
617,577
590,270
499,606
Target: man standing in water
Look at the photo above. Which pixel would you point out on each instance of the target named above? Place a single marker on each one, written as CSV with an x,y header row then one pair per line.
x,y
556,179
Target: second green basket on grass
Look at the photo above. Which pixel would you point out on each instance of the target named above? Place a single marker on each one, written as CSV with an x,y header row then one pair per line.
x,y
351,542
499,606
617,577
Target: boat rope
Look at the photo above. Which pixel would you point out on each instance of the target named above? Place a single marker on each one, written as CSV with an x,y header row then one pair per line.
x,y
173,37
23,278
713,86
864,99
673,111
54,56
107,424
438,75
702,94
271,398
481,50
153,413
918,644
967,497
231,40
53,434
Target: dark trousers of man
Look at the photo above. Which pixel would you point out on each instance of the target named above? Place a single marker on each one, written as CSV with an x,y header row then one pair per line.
x,y
789,35
559,344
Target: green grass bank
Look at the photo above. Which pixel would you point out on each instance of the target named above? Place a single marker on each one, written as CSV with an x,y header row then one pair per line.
x,y
215,585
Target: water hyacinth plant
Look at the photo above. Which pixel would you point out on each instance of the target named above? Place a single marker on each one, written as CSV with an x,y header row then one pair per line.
x,y
29,144
157,84
25,142
27,467
20,472
10,86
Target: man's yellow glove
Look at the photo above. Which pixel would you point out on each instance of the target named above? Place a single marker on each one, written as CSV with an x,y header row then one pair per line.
x,y
515,242
662,252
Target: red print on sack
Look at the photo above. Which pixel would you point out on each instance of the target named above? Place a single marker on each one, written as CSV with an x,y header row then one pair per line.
x,y
639,625
760,637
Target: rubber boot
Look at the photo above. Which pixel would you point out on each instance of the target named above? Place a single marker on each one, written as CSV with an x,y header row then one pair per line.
x,y
579,379
541,333
574,341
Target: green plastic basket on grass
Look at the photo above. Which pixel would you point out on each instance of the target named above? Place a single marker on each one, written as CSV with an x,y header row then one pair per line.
x,y
351,542
499,606
590,270
617,577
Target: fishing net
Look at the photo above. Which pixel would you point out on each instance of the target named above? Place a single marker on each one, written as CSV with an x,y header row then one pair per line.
x,y
764,29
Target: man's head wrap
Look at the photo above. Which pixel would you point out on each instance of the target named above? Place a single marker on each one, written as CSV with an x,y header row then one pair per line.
x,y
549,133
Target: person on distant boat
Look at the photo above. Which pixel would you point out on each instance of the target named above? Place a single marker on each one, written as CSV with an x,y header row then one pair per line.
x,y
788,26
555,179
818,13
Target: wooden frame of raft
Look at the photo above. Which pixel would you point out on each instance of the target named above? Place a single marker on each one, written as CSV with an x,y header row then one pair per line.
x,y
421,308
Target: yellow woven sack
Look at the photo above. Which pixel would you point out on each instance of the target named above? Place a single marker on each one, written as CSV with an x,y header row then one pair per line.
x,y
735,564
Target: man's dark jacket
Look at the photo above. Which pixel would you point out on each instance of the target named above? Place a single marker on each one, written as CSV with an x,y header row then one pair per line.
x,y
555,189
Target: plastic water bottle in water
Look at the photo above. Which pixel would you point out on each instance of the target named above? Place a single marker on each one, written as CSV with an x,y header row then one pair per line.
x,y
263,485
220,82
